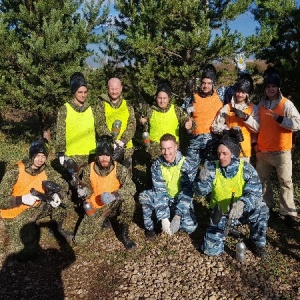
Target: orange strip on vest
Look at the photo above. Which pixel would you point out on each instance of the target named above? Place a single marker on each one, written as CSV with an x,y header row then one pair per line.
x,y
101,184
205,111
23,185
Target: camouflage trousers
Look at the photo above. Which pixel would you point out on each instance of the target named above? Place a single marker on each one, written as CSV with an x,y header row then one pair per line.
x,y
257,219
90,226
201,147
22,230
154,211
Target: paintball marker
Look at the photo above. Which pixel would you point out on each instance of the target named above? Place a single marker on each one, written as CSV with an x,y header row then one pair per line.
x,y
229,220
50,189
74,170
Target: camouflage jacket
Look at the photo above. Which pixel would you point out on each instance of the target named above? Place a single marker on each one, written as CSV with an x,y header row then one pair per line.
x,y
184,200
101,125
127,187
61,124
11,176
252,194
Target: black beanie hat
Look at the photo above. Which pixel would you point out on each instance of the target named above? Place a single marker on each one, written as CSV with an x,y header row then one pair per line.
x,y
40,146
232,144
271,76
105,145
76,81
209,71
245,83
164,87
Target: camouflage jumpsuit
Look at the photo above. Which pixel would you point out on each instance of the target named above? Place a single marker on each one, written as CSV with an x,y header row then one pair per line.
x,y
31,215
255,212
157,203
122,208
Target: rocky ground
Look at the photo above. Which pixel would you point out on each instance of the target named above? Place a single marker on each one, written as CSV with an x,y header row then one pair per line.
x,y
166,268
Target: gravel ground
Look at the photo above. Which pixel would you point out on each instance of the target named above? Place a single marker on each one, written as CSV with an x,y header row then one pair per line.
x,y
166,268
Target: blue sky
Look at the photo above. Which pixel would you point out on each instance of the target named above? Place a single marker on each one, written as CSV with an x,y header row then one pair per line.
x,y
245,23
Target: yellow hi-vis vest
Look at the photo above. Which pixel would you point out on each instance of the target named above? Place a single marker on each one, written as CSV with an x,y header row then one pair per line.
x,y
172,176
122,114
80,132
22,187
224,187
164,122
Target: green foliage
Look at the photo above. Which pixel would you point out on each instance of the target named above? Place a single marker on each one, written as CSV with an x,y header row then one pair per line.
x,y
170,40
43,43
277,41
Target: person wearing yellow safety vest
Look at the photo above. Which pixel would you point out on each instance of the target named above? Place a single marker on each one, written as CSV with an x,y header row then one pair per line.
x,y
279,118
113,107
163,117
19,207
75,126
170,202
232,179
109,190
239,113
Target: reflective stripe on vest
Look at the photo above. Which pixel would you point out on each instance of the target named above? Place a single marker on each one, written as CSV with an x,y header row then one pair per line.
x,y
163,122
121,113
271,136
205,111
22,187
101,184
80,132
172,177
223,188
232,120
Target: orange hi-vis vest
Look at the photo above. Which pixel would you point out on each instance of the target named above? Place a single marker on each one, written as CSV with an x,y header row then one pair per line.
x,y
23,185
232,120
273,137
205,111
101,184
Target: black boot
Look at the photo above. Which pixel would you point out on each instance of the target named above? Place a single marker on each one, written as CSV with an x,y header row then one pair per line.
x,y
125,239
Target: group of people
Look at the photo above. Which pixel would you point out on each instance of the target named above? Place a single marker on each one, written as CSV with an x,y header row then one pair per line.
x,y
224,128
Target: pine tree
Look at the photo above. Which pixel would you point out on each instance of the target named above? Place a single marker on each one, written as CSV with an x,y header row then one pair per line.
x,y
43,42
172,39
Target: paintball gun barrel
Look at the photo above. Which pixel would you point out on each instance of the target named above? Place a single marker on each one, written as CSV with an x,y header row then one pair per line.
x,y
50,189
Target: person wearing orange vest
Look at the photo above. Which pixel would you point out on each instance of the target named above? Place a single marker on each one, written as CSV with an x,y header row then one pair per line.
x,y
23,207
239,113
163,117
112,109
110,192
203,106
75,126
279,118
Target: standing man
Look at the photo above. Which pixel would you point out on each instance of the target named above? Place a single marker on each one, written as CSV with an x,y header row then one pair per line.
x,y
110,191
279,118
75,127
170,200
203,107
227,178
20,207
112,108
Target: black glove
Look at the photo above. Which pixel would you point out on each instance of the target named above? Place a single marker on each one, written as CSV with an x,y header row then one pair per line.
x,y
240,114
118,154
